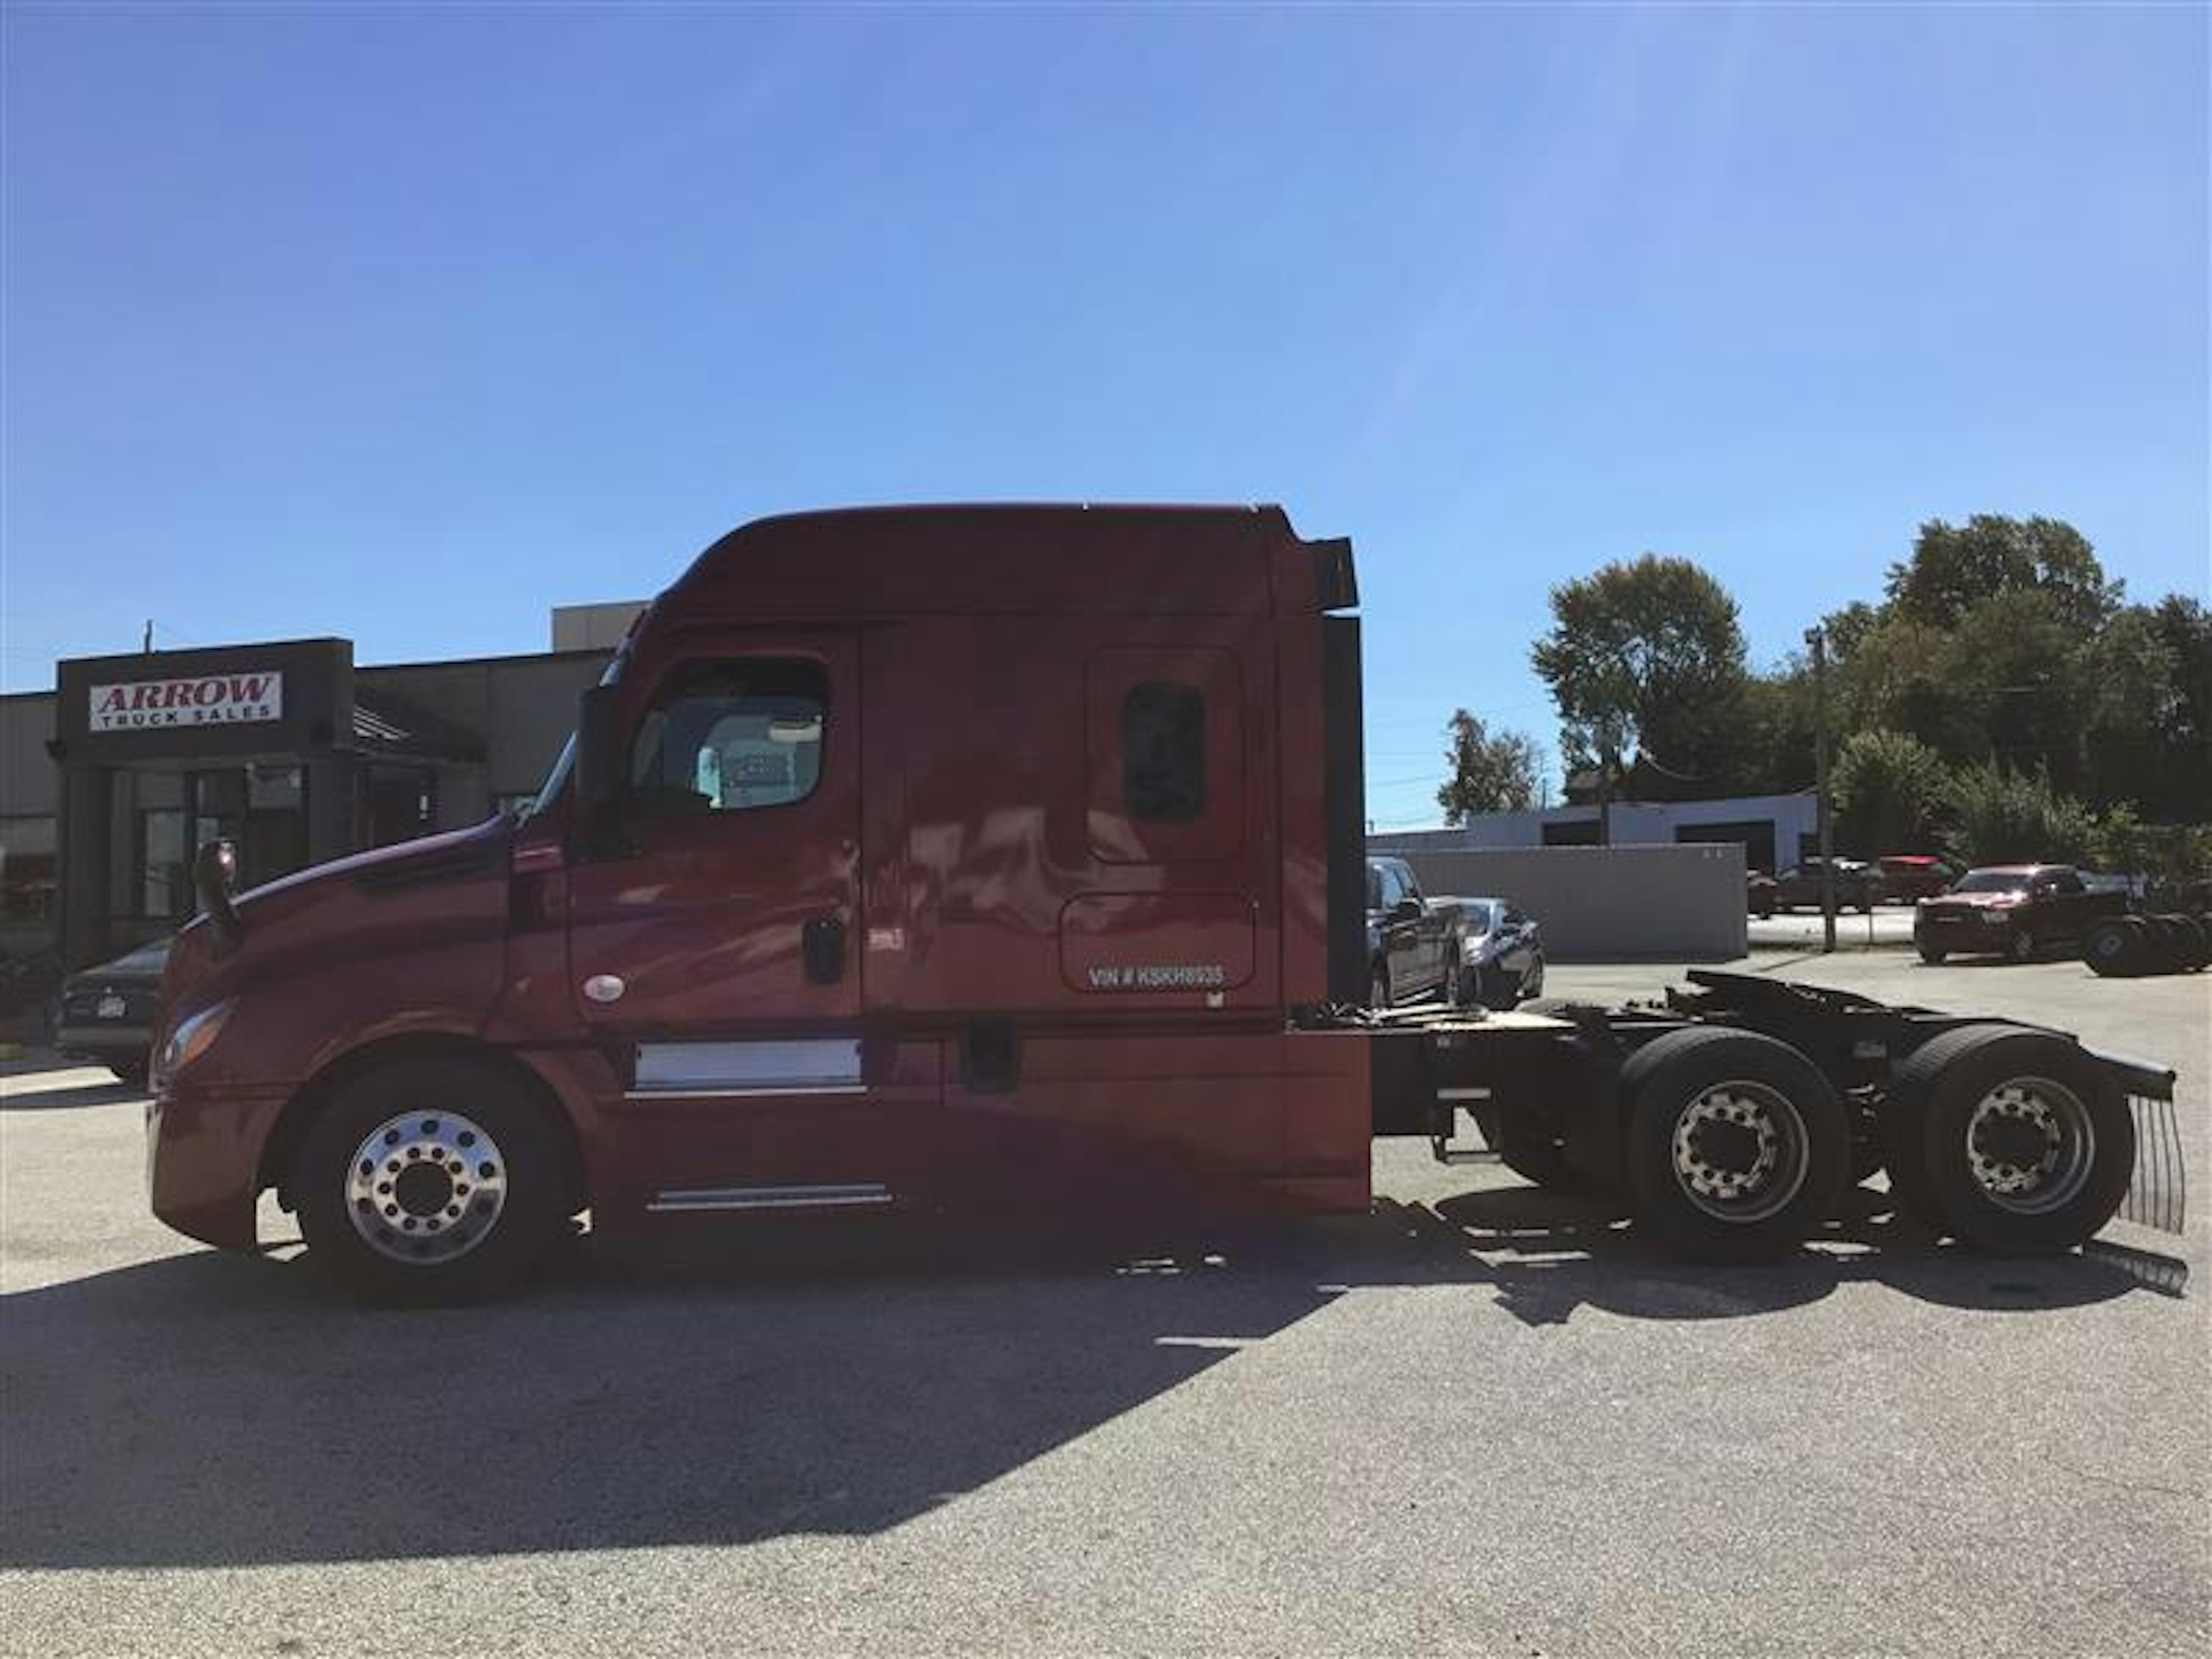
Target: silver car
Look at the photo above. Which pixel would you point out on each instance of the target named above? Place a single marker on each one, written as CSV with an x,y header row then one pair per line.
x,y
1501,955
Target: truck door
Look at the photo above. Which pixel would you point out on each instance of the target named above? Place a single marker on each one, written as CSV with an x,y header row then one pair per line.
x,y
714,946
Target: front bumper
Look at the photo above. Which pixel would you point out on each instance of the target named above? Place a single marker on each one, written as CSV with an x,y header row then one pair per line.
x,y
204,1159
107,1043
1964,938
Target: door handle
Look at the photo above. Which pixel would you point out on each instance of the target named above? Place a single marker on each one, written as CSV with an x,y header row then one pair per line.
x,y
822,946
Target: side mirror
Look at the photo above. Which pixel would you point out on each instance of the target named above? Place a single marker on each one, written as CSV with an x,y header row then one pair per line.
x,y
600,767
1405,909
214,872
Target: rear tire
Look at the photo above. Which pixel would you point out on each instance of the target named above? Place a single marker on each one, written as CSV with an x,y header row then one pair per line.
x,y
1737,1147
1902,1118
1933,957
2107,947
2027,1142
2022,946
477,1190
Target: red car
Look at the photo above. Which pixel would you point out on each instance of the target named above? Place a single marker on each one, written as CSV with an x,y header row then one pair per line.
x,y
1908,878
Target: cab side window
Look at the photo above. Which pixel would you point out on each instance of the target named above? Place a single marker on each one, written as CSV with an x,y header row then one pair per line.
x,y
1163,753
732,736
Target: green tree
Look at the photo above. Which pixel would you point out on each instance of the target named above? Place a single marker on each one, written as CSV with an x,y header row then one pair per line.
x,y
1488,774
1771,747
2136,729
1889,791
1899,677
1647,654
2184,779
2015,664
1955,568
1847,628
2003,817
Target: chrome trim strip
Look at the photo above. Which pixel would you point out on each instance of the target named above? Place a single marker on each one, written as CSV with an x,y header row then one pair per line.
x,y
1463,1094
770,1197
748,1092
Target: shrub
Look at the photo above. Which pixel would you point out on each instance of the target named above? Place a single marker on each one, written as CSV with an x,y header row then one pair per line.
x,y
1998,817
1889,790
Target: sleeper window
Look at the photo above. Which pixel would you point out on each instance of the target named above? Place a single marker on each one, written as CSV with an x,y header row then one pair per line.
x,y
725,737
1163,753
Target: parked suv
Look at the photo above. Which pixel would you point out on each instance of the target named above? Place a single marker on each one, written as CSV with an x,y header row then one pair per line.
x,y
2011,910
1413,940
1908,878
1858,887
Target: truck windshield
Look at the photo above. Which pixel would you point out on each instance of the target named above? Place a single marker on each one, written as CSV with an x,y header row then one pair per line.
x,y
1992,881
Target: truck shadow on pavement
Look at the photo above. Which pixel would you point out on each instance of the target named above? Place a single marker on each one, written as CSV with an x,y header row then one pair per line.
x,y
1550,1255
211,1409
207,1410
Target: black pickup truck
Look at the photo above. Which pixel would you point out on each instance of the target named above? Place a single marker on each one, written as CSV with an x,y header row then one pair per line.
x,y
2010,910
1413,940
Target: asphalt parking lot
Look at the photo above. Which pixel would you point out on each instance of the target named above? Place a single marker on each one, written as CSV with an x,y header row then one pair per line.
x,y
1482,1421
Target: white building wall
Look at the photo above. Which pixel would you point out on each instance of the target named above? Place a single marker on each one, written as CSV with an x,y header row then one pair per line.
x,y
1635,823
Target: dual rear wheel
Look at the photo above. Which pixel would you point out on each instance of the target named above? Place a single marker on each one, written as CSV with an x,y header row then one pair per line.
x,y
1737,1149
2013,1140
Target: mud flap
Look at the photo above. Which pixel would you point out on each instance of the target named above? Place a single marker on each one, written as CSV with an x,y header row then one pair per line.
x,y
2158,1192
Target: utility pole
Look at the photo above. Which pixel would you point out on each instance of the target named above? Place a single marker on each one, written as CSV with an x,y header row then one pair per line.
x,y
146,641
1604,793
1818,641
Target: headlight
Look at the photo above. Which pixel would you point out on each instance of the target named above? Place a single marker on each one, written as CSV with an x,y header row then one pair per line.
x,y
190,1038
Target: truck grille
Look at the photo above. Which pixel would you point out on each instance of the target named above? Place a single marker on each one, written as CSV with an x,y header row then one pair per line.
x,y
1948,912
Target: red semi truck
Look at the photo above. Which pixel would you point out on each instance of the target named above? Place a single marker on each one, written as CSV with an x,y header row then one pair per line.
x,y
911,859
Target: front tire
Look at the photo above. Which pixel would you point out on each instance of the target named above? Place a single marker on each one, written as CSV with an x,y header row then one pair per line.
x,y
2022,947
1933,956
1737,1146
430,1181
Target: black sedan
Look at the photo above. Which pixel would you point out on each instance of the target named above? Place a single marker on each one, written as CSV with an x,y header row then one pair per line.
x,y
1501,954
107,1013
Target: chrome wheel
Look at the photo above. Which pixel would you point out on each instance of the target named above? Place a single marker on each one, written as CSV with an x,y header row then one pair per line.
x,y
1740,1151
426,1187
2031,1144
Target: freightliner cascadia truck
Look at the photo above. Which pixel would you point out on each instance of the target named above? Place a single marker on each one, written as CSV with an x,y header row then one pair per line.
x,y
917,859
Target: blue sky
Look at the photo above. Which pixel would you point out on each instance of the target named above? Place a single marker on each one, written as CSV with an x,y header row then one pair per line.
x,y
406,324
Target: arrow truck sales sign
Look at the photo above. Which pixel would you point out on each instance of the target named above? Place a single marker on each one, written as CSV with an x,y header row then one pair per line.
x,y
194,700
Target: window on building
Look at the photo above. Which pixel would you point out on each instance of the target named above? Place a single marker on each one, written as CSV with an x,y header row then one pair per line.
x,y
731,736
29,869
165,877
1163,753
